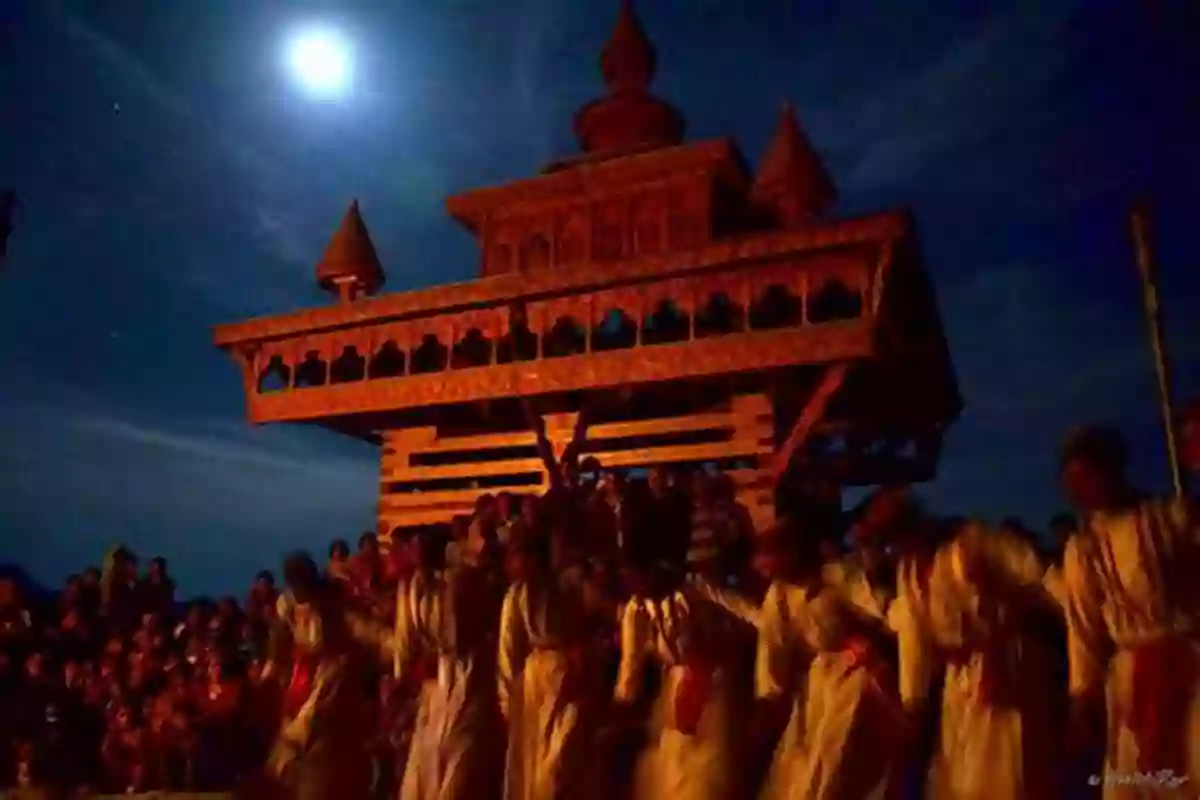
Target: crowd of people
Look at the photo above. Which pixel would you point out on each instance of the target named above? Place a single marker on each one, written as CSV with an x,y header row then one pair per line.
x,y
640,639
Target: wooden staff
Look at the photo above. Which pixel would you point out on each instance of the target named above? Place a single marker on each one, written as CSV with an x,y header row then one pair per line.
x,y
1140,226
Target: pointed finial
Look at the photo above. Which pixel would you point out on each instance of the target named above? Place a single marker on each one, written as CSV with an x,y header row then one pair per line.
x,y
350,266
628,60
792,184
629,118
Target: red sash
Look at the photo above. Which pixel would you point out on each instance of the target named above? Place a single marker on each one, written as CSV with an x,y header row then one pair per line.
x,y
886,726
997,683
1165,675
576,680
423,669
692,694
862,654
300,687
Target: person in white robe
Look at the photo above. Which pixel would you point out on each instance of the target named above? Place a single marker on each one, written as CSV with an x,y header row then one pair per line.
x,y
843,737
444,626
998,735
1132,618
691,737
318,752
547,681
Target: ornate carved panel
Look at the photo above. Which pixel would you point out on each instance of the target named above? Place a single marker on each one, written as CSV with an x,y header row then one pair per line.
x,y
608,231
649,222
535,253
689,222
571,240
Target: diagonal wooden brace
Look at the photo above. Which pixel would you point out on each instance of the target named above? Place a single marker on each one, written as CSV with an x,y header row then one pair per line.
x,y
814,412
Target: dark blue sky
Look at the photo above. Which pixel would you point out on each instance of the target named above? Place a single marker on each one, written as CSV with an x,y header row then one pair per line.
x,y
1016,131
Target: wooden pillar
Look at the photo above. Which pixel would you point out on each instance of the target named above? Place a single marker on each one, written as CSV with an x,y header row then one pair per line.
x,y
754,423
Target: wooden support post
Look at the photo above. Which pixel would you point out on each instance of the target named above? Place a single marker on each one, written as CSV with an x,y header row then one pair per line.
x,y
814,412
754,424
387,453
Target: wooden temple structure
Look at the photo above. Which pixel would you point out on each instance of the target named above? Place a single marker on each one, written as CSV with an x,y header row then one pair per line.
x,y
652,300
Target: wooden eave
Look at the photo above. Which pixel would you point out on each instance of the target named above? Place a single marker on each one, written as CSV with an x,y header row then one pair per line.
x,y
503,289
585,177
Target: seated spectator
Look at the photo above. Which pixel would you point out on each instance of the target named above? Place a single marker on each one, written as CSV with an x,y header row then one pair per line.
x,y
16,622
339,561
156,591
118,590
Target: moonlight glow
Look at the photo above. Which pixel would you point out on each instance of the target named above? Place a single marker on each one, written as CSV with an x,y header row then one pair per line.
x,y
319,60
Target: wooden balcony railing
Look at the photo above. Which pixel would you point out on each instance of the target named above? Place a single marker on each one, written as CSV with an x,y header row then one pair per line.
x,y
801,298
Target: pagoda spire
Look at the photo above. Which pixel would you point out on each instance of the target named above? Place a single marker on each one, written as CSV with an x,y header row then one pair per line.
x,y
629,117
628,60
350,267
792,184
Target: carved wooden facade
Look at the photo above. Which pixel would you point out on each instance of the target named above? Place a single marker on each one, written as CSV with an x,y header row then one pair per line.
x,y
650,287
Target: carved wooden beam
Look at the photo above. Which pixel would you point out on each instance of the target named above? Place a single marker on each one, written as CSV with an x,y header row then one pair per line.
x,y
814,411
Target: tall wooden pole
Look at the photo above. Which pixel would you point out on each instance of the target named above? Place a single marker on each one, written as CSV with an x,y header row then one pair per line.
x,y
1140,226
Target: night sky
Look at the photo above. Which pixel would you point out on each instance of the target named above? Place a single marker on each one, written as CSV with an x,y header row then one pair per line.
x,y
171,176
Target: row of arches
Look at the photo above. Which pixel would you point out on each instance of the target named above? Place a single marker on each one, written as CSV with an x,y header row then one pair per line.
x,y
645,226
777,307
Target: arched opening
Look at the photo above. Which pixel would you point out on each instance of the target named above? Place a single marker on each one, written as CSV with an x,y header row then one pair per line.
x,y
500,259
275,377
348,367
566,338
312,371
776,307
388,361
720,316
570,246
430,356
648,229
535,254
473,350
615,332
834,301
608,234
666,324
520,343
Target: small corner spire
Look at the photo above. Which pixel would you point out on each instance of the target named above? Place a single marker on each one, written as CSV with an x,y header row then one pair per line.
x,y
792,183
350,266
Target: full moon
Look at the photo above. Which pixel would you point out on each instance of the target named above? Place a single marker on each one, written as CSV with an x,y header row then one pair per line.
x,y
319,60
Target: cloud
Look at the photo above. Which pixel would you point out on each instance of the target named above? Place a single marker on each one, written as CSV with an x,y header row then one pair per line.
x,y
228,450
1002,318
108,50
972,93
534,30
188,489
268,211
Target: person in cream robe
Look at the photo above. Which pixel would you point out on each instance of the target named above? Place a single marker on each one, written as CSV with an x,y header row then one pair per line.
x,y
842,739
547,681
998,735
691,737
1132,615
444,636
319,751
